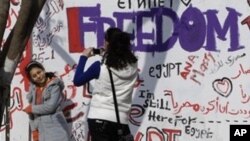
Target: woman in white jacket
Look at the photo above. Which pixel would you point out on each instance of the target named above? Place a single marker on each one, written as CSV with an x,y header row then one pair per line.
x,y
119,58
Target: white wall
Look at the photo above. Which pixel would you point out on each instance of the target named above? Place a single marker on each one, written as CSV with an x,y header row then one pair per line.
x,y
191,88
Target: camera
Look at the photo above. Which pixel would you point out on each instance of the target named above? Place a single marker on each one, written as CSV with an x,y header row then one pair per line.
x,y
96,51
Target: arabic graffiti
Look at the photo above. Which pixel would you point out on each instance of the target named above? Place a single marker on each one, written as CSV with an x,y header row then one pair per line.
x,y
229,61
44,32
245,98
242,71
215,105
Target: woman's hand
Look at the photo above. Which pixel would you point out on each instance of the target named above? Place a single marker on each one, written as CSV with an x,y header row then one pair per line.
x,y
28,109
88,52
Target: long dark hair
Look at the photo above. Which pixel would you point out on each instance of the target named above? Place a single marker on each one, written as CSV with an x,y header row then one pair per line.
x,y
119,53
35,64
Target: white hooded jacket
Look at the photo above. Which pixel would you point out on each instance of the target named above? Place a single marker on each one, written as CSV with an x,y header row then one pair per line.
x,y
102,103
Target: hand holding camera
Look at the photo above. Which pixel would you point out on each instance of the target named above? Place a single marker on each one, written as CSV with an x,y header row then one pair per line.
x,y
97,51
92,51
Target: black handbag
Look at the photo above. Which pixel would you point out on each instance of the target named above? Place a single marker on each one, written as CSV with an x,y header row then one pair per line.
x,y
128,137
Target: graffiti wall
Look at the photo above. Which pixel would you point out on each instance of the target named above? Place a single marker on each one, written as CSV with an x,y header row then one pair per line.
x,y
194,68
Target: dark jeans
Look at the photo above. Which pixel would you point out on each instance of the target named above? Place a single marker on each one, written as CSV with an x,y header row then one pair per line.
x,y
102,130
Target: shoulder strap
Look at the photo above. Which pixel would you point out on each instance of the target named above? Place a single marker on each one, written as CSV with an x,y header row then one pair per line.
x,y
114,96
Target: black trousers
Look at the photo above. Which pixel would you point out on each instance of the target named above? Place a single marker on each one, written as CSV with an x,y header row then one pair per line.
x,y
103,130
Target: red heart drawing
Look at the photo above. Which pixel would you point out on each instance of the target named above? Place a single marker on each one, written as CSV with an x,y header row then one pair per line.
x,y
223,86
